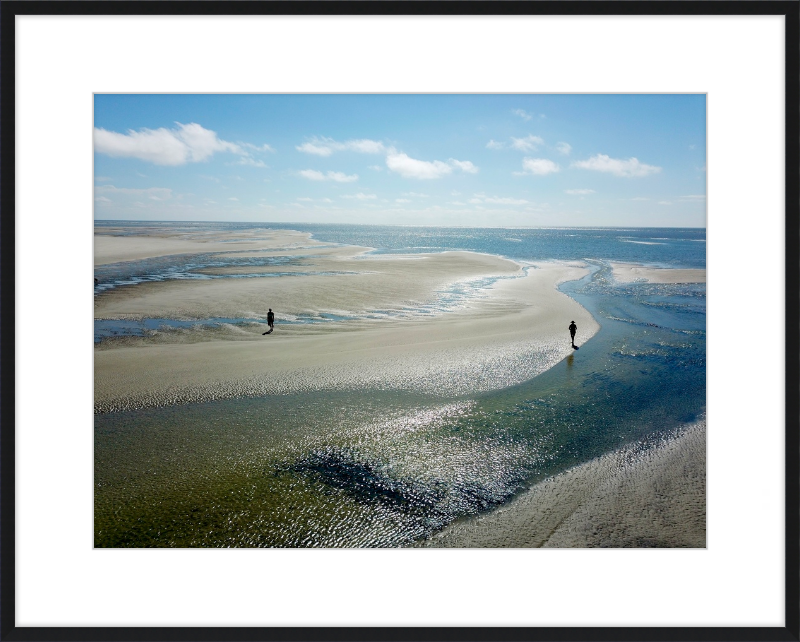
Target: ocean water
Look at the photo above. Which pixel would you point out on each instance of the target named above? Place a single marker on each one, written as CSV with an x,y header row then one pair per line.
x,y
378,468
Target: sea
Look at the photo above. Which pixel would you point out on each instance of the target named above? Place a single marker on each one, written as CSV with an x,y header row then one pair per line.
x,y
389,467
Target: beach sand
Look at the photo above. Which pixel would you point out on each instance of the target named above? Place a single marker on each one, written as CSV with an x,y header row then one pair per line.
x,y
630,272
645,495
511,332
114,244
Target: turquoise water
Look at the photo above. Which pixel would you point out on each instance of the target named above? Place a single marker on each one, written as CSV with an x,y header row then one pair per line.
x,y
388,468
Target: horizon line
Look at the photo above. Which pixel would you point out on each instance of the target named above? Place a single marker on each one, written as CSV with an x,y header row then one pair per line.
x,y
488,227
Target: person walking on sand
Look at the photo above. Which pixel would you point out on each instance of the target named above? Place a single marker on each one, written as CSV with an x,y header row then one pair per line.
x,y
572,330
270,321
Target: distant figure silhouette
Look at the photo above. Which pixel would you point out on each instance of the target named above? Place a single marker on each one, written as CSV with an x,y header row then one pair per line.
x,y
572,330
270,321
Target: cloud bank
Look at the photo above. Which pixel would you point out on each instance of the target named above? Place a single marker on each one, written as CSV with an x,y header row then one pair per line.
x,y
539,166
326,146
409,167
338,177
624,168
528,144
190,143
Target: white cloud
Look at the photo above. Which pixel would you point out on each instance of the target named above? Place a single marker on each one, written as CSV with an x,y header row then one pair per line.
x,y
522,114
313,148
152,193
312,174
365,146
563,148
694,197
579,191
377,168
304,198
412,168
187,143
233,198
505,201
416,194
665,202
539,166
402,200
527,144
639,198
625,168
248,160
464,166
326,146
102,199
361,196
339,177
493,144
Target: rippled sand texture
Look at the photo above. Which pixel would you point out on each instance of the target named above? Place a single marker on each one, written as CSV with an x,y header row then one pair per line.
x,y
502,335
112,244
629,272
644,495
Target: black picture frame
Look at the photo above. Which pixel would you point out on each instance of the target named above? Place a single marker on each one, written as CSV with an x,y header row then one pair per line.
x,y
8,628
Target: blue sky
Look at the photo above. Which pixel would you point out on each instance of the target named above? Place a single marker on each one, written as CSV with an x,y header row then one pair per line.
x,y
474,160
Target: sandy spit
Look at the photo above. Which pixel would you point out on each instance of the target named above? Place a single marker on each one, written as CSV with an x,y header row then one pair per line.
x,y
629,272
515,331
341,283
644,495
112,244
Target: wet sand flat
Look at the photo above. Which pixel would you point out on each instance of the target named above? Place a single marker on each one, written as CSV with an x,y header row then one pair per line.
x,y
112,244
644,495
517,330
335,283
629,272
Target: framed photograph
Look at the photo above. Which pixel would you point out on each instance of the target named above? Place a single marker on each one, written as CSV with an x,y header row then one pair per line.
x,y
430,320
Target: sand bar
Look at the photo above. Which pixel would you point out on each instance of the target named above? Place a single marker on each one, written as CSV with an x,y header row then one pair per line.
x,y
513,331
644,495
630,272
112,244
337,283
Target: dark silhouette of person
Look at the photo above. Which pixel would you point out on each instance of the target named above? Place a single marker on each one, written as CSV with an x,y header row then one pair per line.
x,y
572,330
270,321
